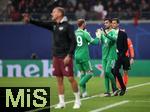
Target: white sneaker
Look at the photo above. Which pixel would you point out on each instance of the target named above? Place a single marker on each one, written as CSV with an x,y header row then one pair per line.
x,y
77,105
84,94
60,105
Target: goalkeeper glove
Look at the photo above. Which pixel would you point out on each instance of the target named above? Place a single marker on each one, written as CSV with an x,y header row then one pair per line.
x,y
98,33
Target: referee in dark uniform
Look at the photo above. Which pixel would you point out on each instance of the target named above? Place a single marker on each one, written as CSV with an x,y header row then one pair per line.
x,y
63,47
122,60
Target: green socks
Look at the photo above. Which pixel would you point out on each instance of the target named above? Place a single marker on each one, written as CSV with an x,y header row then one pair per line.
x,y
84,79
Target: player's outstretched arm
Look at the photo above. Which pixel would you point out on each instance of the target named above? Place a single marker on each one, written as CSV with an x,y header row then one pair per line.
x,y
27,19
112,35
94,41
91,40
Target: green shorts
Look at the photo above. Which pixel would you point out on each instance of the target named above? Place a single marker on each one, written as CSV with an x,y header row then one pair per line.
x,y
84,66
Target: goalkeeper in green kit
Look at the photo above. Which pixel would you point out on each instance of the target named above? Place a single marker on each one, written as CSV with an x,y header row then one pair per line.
x,y
108,37
82,57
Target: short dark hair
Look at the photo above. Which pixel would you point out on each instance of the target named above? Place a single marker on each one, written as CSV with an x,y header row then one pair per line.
x,y
80,22
61,9
108,19
116,19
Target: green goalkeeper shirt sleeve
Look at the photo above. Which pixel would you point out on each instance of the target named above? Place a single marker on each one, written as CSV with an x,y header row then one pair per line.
x,y
95,41
112,35
91,40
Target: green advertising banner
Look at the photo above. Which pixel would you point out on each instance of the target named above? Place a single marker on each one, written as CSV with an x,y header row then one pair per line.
x,y
44,68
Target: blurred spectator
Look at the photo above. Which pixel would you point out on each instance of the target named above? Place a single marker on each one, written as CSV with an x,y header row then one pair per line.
x,y
99,8
86,9
14,14
22,6
73,2
71,10
144,6
80,12
92,15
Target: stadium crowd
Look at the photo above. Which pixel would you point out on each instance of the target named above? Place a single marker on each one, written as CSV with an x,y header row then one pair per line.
x,y
86,9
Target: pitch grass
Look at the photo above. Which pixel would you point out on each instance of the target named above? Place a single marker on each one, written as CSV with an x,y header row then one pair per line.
x,y
139,97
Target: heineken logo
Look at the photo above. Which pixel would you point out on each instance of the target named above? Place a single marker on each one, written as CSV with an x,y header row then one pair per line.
x,y
25,68
36,68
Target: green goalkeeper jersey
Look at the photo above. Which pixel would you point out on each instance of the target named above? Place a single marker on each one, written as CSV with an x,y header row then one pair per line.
x,y
83,39
109,47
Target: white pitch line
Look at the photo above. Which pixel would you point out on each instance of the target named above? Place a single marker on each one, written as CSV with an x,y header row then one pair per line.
x,y
139,85
141,101
131,87
110,106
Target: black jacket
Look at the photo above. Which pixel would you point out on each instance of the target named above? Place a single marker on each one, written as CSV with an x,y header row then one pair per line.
x,y
122,45
63,42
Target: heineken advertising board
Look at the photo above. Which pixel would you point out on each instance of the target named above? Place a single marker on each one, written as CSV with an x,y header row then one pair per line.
x,y
44,68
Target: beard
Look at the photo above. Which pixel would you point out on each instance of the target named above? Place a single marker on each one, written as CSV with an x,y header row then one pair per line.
x,y
107,27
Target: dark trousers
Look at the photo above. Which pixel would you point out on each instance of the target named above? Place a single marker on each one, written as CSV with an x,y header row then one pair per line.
x,y
116,72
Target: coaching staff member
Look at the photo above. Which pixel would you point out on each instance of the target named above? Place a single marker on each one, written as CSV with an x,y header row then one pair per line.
x,y
122,60
64,44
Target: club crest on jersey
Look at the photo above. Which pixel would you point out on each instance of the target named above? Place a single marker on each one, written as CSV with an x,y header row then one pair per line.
x,y
66,69
61,28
